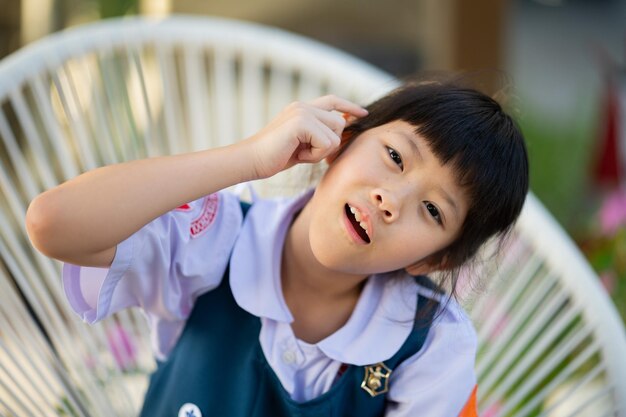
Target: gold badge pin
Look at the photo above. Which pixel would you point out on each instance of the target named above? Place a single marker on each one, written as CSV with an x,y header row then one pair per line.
x,y
376,380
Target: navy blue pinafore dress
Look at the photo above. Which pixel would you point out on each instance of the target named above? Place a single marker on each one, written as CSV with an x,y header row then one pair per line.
x,y
218,365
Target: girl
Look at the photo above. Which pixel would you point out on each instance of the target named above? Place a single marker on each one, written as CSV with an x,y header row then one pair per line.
x,y
312,306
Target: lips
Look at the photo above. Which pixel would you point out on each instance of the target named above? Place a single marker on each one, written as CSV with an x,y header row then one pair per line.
x,y
358,223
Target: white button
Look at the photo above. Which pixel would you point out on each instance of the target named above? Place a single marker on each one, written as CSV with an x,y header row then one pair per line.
x,y
189,410
289,356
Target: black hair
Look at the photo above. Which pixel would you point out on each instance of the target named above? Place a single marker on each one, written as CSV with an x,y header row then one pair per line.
x,y
471,131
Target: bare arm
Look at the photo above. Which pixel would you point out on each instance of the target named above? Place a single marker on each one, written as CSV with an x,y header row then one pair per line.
x,y
82,220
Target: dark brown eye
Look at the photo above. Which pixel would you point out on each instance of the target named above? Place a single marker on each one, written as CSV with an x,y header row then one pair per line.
x,y
395,157
433,211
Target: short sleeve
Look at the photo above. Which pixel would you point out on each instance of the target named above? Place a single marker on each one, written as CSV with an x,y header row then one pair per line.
x,y
439,379
162,268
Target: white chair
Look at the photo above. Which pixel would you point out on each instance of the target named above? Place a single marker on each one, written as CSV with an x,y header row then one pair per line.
x,y
551,343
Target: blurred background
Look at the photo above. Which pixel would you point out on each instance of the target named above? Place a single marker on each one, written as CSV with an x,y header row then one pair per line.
x,y
566,59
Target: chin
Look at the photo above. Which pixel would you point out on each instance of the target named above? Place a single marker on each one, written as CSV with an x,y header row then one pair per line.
x,y
331,256
326,254
336,260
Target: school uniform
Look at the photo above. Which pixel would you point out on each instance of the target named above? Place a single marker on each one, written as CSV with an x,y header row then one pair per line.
x,y
205,254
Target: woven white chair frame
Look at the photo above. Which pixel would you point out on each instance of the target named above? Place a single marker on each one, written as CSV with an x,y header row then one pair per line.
x,y
551,343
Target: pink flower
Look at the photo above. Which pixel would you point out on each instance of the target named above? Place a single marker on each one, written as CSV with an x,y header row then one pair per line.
x,y
613,212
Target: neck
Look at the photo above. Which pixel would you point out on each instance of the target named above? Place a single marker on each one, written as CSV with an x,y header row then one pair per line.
x,y
303,276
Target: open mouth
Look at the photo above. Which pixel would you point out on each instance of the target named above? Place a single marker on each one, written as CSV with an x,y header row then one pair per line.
x,y
357,225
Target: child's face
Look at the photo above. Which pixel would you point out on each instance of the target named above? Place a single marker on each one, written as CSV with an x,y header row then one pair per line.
x,y
409,203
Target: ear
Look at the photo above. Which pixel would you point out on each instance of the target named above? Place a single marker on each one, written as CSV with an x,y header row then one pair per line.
x,y
345,139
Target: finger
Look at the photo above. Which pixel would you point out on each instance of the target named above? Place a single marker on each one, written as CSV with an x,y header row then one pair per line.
x,y
332,102
333,120
333,136
323,138
321,143
311,155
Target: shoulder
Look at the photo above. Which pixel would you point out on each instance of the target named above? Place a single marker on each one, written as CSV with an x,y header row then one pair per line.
x,y
162,268
441,374
451,328
451,331
445,363
204,212
214,220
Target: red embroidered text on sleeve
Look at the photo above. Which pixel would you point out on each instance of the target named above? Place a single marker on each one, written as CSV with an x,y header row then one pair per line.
x,y
207,216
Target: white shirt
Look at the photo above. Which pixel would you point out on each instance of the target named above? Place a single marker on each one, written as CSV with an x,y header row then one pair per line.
x,y
174,259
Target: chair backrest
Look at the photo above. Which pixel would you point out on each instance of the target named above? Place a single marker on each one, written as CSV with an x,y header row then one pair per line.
x,y
551,341
125,89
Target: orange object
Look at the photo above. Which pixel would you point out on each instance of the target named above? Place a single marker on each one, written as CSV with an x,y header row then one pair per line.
x,y
470,409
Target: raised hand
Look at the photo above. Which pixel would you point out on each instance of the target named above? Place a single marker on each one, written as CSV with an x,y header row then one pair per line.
x,y
304,132
124,197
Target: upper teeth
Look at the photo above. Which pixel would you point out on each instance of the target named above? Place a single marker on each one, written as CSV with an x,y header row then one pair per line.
x,y
358,217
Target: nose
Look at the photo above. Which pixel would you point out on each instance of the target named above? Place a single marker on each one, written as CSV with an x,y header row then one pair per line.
x,y
387,203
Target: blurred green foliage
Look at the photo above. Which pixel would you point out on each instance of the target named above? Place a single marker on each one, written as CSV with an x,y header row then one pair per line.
x,y
113,8
561,155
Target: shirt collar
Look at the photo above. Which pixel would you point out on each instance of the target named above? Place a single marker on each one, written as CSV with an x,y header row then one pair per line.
x,y
255,276
383,316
